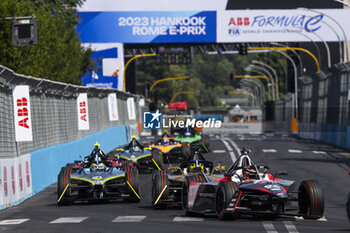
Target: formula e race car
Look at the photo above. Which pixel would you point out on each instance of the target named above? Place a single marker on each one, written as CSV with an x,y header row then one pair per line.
x,y
167,184
172,151
248,189
136,154
189,135
97,179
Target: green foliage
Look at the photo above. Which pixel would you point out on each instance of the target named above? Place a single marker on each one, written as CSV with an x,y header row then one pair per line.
x,y
59,55
209,75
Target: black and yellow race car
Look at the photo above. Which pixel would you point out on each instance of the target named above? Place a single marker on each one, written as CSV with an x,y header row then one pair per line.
x,y
136,154
95,179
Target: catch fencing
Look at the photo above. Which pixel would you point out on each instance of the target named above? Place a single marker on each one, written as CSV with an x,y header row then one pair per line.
x,y
54,112
323,106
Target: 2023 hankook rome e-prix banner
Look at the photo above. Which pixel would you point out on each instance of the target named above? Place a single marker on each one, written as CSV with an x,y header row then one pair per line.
x,y
214,26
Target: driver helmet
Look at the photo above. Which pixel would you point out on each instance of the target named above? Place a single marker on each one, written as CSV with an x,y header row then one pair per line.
x,y
196,166
93,167
249,173
165,140
187,133
137,148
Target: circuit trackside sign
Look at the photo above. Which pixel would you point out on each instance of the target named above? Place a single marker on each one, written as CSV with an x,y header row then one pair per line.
x,y
148,27
228,26
83,112
21,107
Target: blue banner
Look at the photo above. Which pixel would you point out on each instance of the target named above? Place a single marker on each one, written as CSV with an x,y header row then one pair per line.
x,y
148,27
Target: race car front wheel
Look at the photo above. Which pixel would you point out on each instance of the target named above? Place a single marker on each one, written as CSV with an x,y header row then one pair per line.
x,y
157,159
132,177
226,191
311,199
160,189
63,182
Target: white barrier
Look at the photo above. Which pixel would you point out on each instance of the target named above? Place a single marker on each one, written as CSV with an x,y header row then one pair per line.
x,y
16,180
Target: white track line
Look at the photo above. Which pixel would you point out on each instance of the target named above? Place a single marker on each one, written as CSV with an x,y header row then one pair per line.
x,y
69,220
187,219
129,219
319,152
269,150
13,221
269,227
219,151
229,148
295,151
290,227
234,145
344,154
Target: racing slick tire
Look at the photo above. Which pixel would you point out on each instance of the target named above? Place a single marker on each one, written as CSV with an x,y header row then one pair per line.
x,y
63,180
158,159
132,177
186,149
205,143
185,189
348,206
159,181
225,191
311,199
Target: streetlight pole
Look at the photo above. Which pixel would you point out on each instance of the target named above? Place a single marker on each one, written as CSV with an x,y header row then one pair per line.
x,y
325,44
289,48
296,54
295,81
263,71
167,79
255,87
273,71
338,24
133,58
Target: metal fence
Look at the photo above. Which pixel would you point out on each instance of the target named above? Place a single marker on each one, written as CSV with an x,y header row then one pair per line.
x,y
323,98
54,112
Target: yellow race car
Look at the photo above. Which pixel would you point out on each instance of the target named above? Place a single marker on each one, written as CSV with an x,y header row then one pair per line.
x,y
172,150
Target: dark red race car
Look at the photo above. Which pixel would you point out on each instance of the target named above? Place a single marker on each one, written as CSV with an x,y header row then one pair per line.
x,y
249,189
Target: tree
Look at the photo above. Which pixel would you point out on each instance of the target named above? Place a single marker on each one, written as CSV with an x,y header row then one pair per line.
x,y
59,55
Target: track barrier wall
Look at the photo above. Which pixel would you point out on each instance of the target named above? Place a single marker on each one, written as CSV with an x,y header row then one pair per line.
x,y
55,110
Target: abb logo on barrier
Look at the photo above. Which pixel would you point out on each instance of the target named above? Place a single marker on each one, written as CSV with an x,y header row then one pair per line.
x,y
21,107
83,112
239,21
22,111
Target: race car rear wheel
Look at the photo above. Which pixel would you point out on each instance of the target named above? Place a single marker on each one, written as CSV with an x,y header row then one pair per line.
x,y
158,159
311,199
159,181
225,192
132,177
185,190
205,142
186,149
348,206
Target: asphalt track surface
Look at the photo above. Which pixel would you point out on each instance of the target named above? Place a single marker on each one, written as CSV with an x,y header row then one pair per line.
x,y
302,159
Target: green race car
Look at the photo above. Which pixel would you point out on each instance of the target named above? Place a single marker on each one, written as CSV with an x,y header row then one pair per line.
x,y
197,141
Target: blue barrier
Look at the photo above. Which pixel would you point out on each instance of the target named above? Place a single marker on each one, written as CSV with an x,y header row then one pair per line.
x,y
46,163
